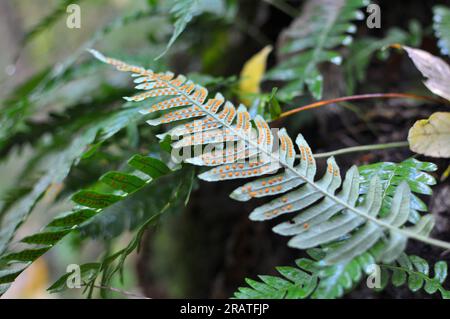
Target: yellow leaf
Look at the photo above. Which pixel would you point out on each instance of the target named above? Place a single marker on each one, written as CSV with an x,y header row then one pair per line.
x,y
445,174
251,75
431,137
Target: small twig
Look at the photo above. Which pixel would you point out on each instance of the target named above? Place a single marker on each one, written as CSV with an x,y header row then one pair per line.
x,y
123,292
361,148
361,97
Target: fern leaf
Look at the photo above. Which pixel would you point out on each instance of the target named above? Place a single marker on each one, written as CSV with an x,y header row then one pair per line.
x,y
295,283
184,11
90,204
356,223
310,40
311,280
414,272
57,167
412,171
441,26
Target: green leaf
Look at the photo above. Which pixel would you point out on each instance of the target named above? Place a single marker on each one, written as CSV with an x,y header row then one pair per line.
x,y
293,274
8,276
297,285
415,271
440,271
274,106
420,264
63,225
398,277
46,237
94,199
125,182
25,255
415,282
391,174
57,165
184,11
72,218
150,166
310,40
275,282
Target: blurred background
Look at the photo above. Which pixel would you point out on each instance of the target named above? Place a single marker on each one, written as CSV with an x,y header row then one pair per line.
x,y
206,248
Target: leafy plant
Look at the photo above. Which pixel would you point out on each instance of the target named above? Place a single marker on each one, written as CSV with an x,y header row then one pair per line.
x,y
310,40
359,222
90,203
346,224
184,11
309,279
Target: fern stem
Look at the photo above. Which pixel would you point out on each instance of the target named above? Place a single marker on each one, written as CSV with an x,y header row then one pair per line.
x,y
361,97
361,148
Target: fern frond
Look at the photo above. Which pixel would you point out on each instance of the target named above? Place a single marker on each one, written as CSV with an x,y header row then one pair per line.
x,y
295,283
57,165
311,280
44,88
184,11
414,271
89,204
327,215
441,26
310,40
